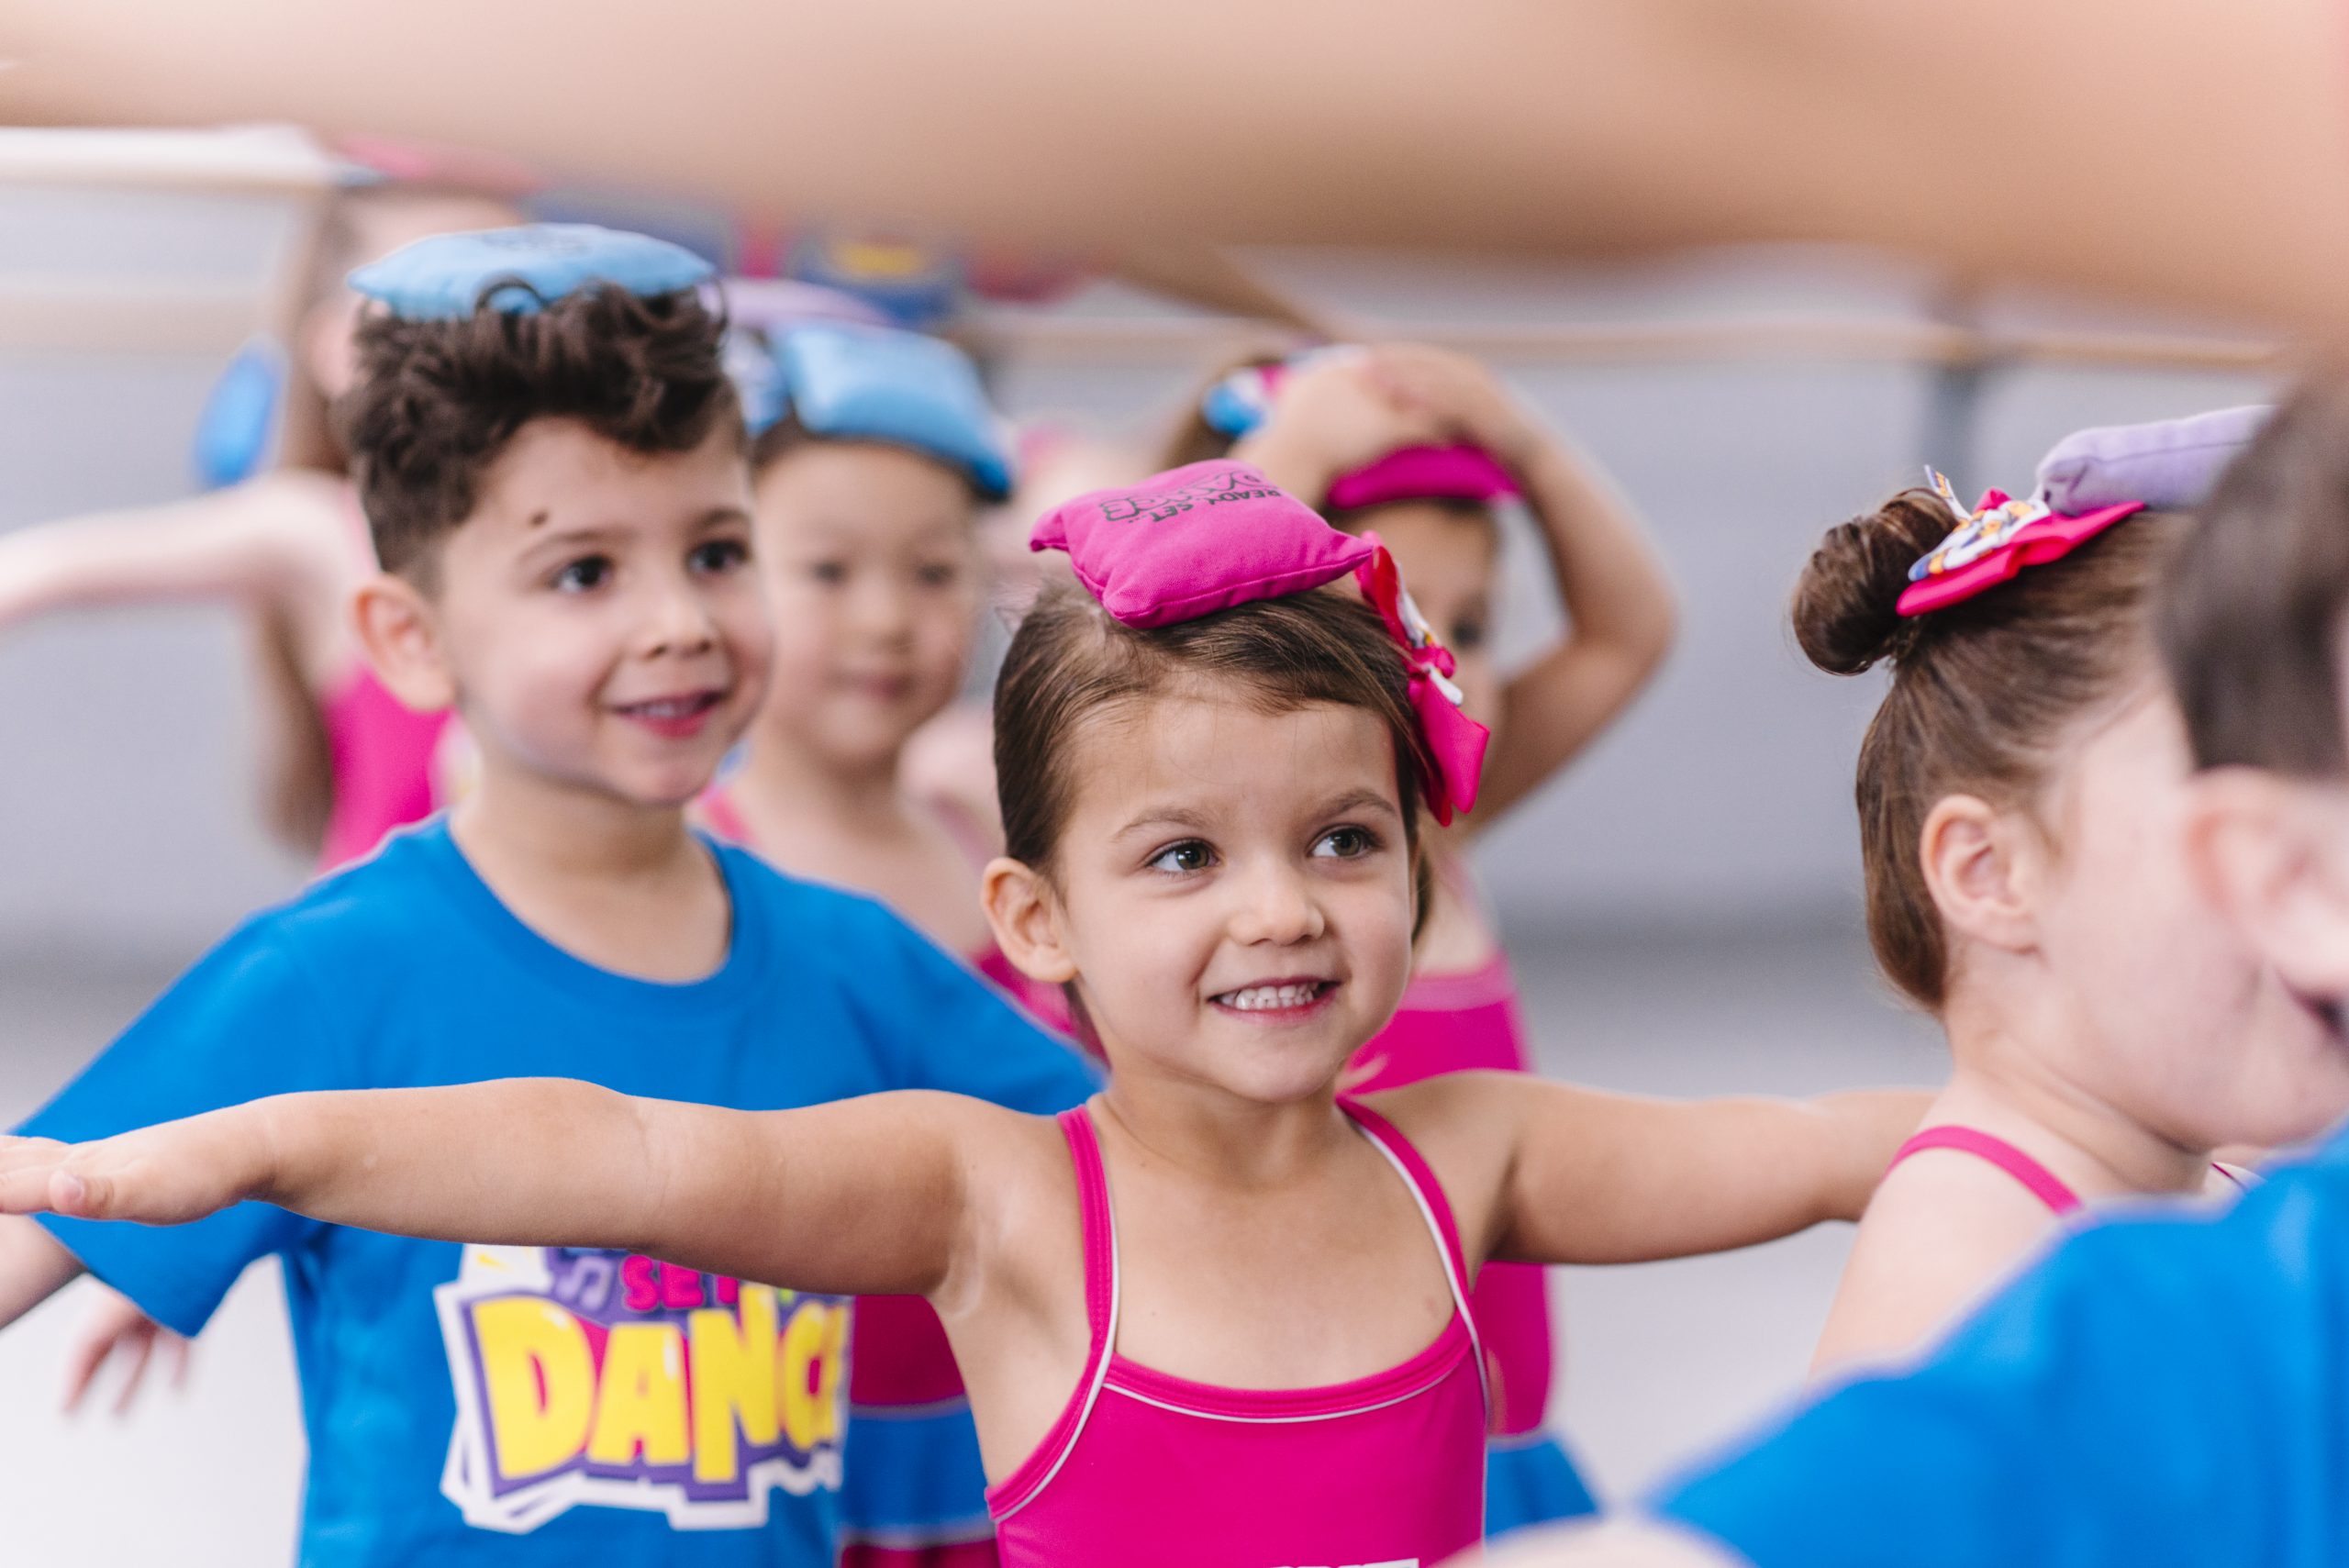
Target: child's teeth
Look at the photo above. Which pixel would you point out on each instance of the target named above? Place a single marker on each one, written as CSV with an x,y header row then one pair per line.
x,y
1261,998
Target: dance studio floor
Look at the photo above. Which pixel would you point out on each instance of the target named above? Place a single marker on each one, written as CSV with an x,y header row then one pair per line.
x,y
1658,1361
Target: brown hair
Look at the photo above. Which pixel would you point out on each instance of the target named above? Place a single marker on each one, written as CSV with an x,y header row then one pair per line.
x,y
437,401
1071,662
1983,693
347,233
2250,622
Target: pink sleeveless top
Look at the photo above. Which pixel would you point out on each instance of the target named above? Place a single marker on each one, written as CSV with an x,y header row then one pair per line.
x,y
381,753
1144,1470
2042,1183
1453,1023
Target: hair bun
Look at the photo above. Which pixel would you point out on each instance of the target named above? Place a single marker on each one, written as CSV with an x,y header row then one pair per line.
x,y
1845,617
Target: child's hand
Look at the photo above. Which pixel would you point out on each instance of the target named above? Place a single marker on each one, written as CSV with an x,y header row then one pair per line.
x,y
1334,415
116,1327
157,1175
1465,400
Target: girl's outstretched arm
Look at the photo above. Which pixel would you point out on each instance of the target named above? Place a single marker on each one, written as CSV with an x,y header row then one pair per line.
x,y
269,542
862,1196
1619,603
1587,1177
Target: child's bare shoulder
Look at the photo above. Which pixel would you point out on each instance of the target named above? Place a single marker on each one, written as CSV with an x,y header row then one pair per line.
x,y
1942,1231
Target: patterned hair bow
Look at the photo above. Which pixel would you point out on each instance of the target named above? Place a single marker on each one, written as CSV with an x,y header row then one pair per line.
x,y
1994,541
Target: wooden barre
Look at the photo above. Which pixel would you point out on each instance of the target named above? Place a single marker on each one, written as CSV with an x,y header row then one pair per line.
x,y
1096,338
49,313
270,160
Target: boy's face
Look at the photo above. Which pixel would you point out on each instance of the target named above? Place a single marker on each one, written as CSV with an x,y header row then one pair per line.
x,y
597,619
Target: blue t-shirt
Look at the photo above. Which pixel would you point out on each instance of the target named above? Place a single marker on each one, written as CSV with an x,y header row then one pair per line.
x,y
2169,1390
517,1405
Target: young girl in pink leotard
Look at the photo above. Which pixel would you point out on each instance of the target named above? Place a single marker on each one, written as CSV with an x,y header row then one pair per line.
x,y
288,548
2021,796
873,453
344,763
1418,445
1219,1317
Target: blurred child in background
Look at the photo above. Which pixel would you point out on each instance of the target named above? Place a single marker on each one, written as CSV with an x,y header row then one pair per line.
x,y
873,451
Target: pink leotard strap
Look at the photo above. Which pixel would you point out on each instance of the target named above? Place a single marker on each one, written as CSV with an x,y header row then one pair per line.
x,y
1426,1189
1100,1316
2044,1185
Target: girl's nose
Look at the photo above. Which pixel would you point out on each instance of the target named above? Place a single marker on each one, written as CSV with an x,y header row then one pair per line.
x,y
1276,907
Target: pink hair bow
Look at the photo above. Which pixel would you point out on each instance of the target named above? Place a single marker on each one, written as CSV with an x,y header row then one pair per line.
x,y
1455,742
1201,539
1994,541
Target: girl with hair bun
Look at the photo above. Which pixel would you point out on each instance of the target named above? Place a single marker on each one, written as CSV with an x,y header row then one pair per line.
x,y
2020,794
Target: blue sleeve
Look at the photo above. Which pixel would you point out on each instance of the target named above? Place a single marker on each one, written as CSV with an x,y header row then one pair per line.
x,y
247,1021
2157,1392
938,1025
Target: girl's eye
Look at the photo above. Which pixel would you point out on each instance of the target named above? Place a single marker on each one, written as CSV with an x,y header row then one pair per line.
x,y
936,576
1466,634
718,556
584,575
831,574
1190,855
1346,843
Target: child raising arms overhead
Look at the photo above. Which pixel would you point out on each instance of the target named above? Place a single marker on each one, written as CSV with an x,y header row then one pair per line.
x,y
1418,445
1219,1316
2021,792
289,550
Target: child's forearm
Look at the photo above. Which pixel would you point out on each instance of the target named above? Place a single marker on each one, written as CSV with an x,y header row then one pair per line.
x,y
1621,620
1867,1128
257,543
34,1266
537,1161
864,1197
1608,575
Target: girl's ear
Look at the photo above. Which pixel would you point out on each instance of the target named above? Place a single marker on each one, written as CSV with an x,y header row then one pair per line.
x,y
401,636
1027,919
1982,867
2272,854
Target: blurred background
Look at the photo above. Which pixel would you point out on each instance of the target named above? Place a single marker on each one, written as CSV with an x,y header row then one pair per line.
x,y
1682,905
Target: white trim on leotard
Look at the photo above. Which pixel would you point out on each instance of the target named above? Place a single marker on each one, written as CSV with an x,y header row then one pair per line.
x,y
1104,1353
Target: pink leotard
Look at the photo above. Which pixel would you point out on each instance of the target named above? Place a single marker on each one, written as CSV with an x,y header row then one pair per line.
x,y
381,753
2043,1184
1144,1470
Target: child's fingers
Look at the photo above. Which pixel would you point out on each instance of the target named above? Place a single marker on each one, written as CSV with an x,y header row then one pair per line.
x,y
46,1177
142,1355
27,1165
82,1368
